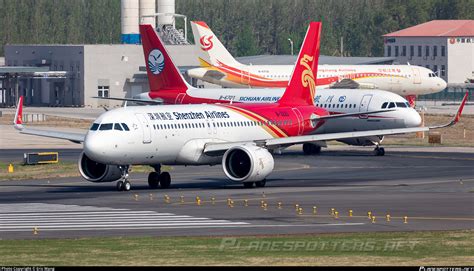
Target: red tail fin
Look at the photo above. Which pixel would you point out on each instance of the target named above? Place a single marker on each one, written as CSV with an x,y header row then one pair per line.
x,y
162,73
18,121
302,86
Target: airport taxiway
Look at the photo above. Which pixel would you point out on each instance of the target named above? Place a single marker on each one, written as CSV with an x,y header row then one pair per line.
x,y
434,189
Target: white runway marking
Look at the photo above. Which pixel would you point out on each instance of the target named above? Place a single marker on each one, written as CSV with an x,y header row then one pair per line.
x,y
26,216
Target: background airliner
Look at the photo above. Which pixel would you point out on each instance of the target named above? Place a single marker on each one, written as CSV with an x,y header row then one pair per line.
x,y
239,136
219,67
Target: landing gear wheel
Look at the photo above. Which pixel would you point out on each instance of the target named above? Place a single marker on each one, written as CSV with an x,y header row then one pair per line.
x,y
165,180
153,180
248,184
261,183
311,149
120,185
126,185
379,151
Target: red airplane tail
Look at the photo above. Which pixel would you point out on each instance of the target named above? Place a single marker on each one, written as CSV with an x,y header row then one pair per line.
x,y
162,73
301,88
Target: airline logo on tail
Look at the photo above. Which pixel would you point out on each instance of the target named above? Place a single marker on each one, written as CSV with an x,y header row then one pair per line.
x,y
206,42
156,61
307,76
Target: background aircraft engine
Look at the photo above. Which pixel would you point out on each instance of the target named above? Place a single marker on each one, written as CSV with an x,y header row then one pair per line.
x,y
247,163
97,172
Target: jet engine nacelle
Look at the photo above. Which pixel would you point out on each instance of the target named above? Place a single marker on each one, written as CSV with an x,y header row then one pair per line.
x,y
247,163
97,172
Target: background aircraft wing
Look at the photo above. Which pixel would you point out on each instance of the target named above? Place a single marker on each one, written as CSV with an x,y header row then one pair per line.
x,y
154,101
273,143
18,124
74,137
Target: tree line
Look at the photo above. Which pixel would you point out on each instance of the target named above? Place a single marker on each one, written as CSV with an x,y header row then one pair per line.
x,y
246,27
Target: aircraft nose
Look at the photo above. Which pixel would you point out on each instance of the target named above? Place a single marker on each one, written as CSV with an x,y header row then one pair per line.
x,y
93,147
441,84
414,120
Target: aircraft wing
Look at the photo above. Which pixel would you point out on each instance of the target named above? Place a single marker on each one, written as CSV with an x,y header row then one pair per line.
x,y
18,124
214,74
74,137
273,143
154,101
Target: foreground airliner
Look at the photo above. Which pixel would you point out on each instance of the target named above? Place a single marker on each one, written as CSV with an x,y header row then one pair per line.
x,y
365,105
238,136
219,67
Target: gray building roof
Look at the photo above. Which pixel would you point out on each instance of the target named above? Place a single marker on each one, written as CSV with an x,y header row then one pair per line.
x,y
330,60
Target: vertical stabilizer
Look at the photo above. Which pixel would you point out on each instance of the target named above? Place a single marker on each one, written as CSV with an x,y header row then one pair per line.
x,y
211,51
162,73
301,88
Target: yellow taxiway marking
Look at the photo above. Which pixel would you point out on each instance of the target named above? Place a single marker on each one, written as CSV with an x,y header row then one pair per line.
x,y
218,201
431,157
400,217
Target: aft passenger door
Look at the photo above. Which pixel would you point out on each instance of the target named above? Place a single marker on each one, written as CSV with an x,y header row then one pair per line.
x,y
245,76
180,98
146,129
300,119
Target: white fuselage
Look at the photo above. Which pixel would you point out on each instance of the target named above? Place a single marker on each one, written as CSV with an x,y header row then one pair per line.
x,y
176,134
404,80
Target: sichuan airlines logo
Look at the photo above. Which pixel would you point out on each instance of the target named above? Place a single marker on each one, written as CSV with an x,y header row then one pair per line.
x,y
156,61
307,76
206,43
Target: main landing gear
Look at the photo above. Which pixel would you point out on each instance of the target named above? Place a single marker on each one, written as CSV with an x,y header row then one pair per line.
x,y
123,184
311,149
379,151
159,179
257,184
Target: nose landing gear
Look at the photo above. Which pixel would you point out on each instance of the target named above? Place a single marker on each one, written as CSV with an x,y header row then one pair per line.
x,y
159,179
123,184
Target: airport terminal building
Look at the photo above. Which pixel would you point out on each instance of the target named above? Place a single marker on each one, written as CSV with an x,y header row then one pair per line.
x,y
104,70
444,46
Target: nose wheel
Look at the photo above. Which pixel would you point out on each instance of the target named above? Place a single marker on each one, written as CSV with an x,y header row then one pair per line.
x,y
123,184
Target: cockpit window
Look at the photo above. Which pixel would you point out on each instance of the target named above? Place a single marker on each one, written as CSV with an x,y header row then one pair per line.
x,y
402,105
408,105
384,105
94,127
391,105
105,126
125,127
118,127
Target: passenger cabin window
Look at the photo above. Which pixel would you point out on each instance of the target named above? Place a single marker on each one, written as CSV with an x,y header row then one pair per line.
x,y
105,126
384,105
118,127
94,127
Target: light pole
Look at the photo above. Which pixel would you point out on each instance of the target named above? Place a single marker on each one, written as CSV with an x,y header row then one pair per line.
x,y
291,44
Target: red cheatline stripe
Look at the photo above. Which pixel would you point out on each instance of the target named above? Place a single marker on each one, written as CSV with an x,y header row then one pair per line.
x,y
251,115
